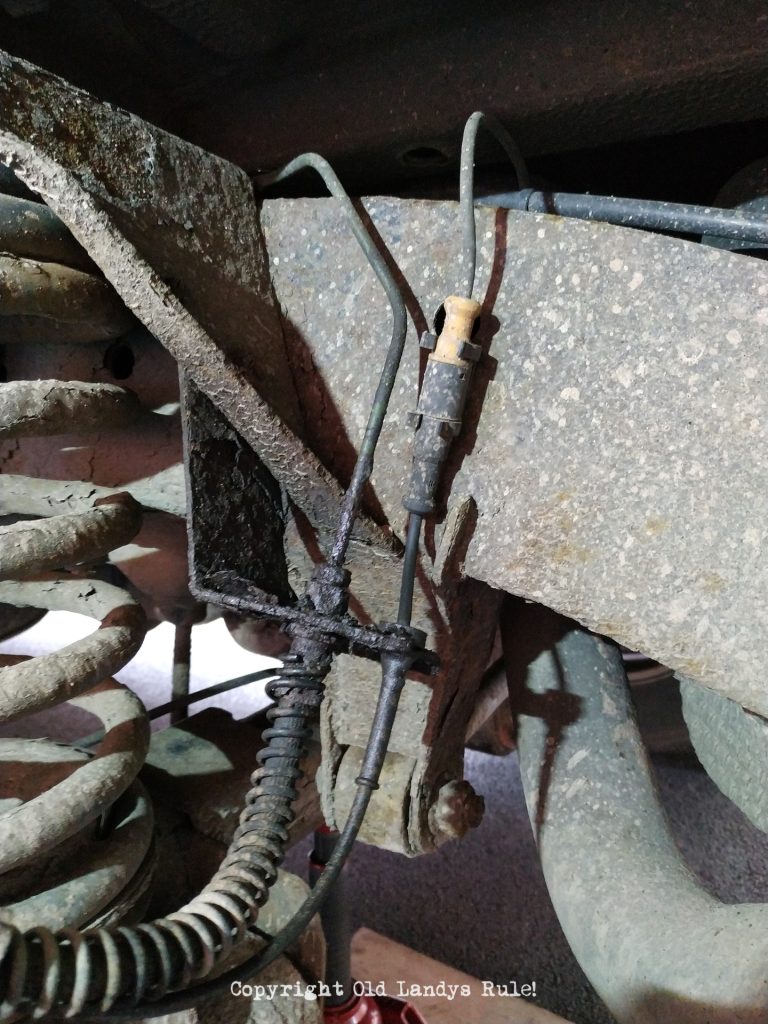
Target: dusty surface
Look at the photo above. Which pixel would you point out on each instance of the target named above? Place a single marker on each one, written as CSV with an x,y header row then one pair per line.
x,y
614,439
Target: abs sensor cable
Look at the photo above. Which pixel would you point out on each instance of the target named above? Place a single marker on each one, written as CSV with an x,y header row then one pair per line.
x,y
452,354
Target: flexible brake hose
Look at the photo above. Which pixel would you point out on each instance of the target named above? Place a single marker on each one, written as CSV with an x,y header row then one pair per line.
x,y
111,971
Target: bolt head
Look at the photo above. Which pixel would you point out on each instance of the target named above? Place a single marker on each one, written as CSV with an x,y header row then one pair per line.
x,y
456,810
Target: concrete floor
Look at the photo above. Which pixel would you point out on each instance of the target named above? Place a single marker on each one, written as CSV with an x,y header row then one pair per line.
x,y
480,905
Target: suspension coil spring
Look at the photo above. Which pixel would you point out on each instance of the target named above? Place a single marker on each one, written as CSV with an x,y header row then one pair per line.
x,y
45,968
57,793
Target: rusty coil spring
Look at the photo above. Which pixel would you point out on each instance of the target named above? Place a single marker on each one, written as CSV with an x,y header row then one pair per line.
x,y
44,968
92,971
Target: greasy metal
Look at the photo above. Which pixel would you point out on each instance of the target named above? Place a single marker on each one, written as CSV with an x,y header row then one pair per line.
x,y
344,635
656,946
467,184
652,215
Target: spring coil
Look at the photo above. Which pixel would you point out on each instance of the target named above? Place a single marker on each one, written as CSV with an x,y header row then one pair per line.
x,y
63,970
264,821
71,972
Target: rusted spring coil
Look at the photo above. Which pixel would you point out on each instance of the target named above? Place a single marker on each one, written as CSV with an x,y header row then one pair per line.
x,y
74,972
76,674
42,969
54,302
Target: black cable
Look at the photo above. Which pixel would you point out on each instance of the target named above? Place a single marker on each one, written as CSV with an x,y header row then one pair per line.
x,y
408,579
364,463
192,698
213,691
648,214
467,184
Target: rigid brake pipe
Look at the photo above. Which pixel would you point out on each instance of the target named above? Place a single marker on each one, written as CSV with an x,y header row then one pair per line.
x,y
655,945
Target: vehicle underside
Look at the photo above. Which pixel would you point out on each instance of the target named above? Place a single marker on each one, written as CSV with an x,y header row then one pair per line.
x,y
383,481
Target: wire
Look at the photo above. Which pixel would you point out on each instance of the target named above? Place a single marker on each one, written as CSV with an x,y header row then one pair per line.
x,y
408,578
192,698
467,184
364,463
213,691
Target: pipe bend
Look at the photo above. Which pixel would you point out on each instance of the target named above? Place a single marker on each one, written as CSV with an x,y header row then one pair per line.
x,y
655,945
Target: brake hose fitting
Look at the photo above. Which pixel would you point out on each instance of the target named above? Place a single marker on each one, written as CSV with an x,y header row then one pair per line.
x,y
437,419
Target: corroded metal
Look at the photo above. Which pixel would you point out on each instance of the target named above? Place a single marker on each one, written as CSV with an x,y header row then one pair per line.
x,y
42,407
61,805
69,538
185,253
53,302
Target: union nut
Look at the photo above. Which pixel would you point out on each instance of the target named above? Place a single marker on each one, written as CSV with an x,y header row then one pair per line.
x,y
456,809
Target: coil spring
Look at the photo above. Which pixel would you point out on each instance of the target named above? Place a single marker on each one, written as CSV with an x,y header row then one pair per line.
x,y
116,872
264,821
45,969
72,971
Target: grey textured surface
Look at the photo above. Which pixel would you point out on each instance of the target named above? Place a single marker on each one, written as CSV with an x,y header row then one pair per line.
x,y
732,744
656,946
615,435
